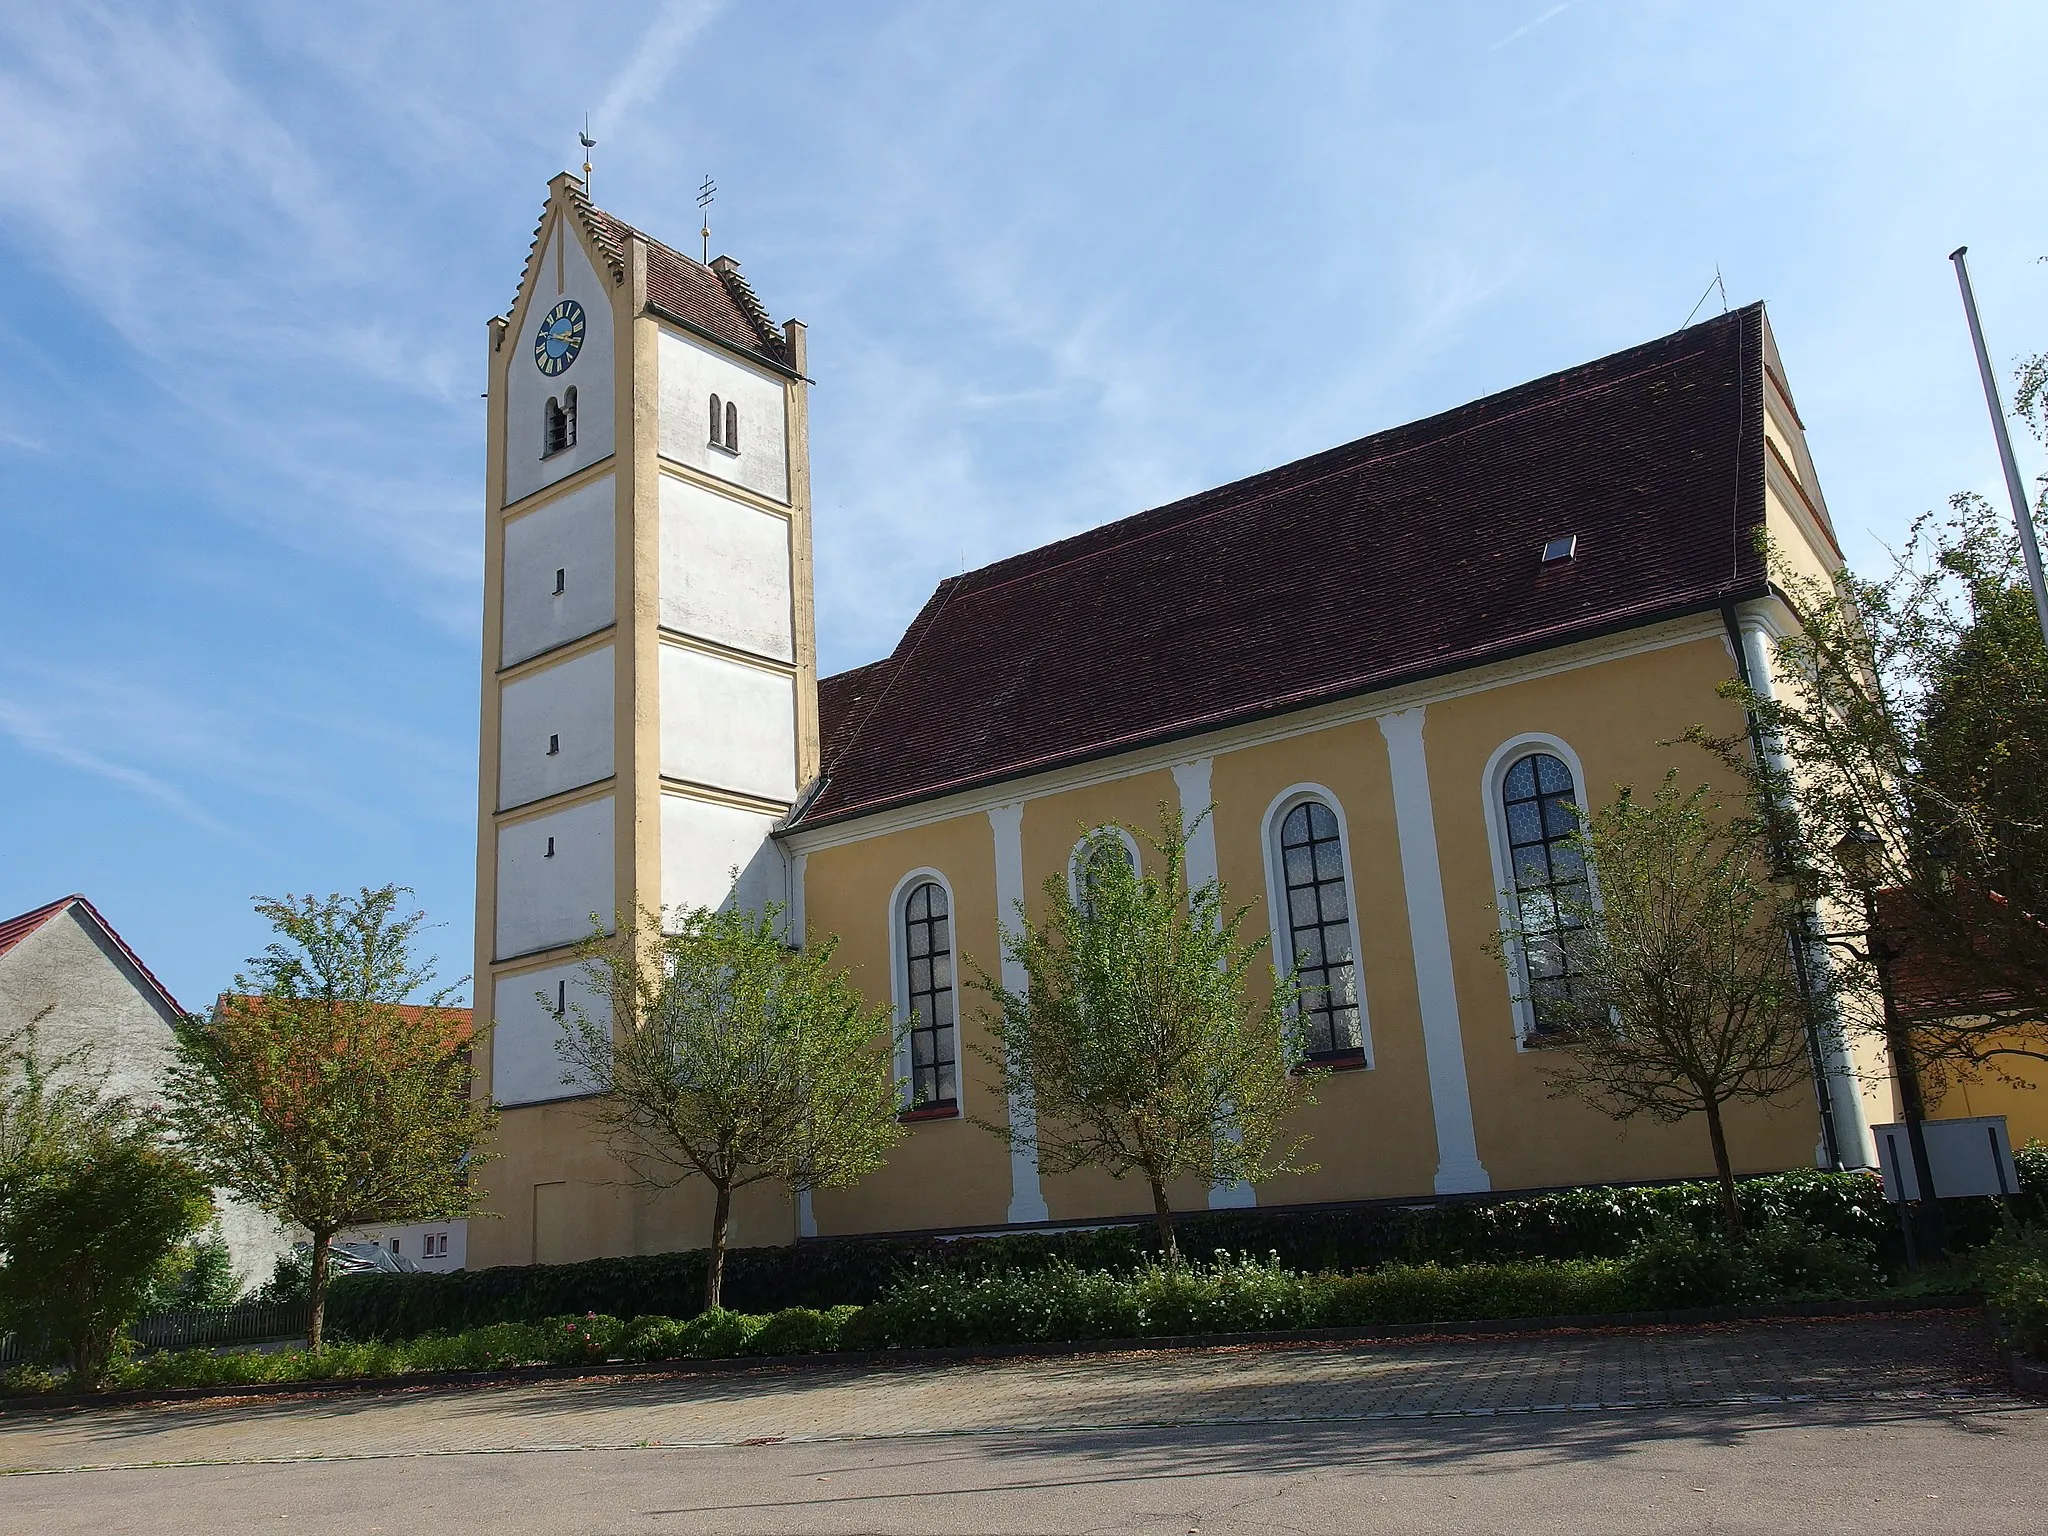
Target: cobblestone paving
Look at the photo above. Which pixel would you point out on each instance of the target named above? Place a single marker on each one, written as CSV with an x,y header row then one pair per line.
x,y
1924,1356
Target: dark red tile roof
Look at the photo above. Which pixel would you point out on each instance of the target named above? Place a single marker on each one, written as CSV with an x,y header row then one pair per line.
x,y
719,303
16,929
1948,962
1412,552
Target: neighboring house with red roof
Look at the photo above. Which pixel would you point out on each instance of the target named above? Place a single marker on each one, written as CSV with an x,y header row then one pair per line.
x,y
1385,671
66,970
1931,987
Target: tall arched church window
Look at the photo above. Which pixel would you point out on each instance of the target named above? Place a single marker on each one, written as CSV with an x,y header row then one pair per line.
x,y
1095,853
928,999
1319,930
717,423
554,433
1539,805
732,427
569,417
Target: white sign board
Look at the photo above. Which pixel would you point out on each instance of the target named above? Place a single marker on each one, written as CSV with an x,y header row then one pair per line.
x,y
1966,1157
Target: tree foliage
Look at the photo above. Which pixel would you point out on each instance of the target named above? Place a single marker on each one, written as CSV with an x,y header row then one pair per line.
x,y
89,1229
1914,710
317,1092
1143,1040
47,1103
1684,995
725,1055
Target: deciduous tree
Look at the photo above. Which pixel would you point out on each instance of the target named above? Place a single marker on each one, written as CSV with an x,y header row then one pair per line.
x,y
725,1055
320,1092
88,1230
1145,1040
1683,996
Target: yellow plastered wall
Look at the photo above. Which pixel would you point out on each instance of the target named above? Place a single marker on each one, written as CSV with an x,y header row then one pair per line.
x,y
1373,1131
556,1195
946,1173
1614,716
2019,1091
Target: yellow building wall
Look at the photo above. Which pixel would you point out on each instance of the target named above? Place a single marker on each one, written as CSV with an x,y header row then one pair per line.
x,y
1614,716
946,1173
2019,1092
1373,1131
555,1195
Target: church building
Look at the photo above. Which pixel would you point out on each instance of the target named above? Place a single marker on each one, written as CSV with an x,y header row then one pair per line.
x,y
1387,672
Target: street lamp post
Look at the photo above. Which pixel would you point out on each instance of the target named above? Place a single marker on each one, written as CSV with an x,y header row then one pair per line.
x,y
1857,855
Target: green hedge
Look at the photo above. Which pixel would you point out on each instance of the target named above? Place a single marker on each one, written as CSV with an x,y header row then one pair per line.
x,y
1571,1224
2014,1274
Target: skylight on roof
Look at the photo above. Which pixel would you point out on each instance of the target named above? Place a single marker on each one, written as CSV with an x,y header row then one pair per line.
x,y
1563,547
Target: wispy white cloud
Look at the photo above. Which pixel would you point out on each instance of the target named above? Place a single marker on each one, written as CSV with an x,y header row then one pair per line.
x,y
37,734
1532,24
653,59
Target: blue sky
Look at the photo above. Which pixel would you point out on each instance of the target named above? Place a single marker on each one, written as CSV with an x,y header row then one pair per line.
x,y
1060,262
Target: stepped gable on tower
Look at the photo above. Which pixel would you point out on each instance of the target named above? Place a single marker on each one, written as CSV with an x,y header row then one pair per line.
x,y
1407,554
716,300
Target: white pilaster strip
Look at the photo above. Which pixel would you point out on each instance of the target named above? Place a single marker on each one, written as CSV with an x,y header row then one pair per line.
x,y
1852,1125
1458,1169
1027,1202
1192,781
806,1222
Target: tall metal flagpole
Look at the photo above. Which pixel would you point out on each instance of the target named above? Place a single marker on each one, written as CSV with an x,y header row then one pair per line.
x,y
2022,511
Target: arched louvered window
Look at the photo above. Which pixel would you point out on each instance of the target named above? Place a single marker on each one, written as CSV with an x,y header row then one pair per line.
x,y
1319,931
569,417
732,427
928,1000
717,423
554,435
1539,806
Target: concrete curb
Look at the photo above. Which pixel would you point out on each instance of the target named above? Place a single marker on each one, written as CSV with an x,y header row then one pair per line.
x,y
1794,1311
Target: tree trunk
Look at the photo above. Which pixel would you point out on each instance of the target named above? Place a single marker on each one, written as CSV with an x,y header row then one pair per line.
x,y
1724,1171
1162,1213
316,1326
714,1268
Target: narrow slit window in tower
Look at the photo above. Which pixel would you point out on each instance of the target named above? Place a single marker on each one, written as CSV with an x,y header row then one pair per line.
x,y
717,423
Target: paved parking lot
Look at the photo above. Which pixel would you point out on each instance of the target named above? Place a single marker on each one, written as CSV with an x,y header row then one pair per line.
x,y
1859,1423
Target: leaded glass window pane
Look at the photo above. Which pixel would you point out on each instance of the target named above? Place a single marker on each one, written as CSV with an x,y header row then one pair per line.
x,y
928,989
1318,908
1537,798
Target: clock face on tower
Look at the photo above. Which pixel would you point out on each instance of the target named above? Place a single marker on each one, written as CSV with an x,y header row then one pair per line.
x,y
559,338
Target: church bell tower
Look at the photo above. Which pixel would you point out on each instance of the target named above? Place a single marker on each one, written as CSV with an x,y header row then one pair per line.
x,y
649,709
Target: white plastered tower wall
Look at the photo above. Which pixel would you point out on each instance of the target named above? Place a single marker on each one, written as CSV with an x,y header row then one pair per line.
x,y
649,708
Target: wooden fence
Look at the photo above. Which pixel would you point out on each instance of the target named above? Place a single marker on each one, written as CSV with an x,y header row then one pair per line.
x,y
246,1322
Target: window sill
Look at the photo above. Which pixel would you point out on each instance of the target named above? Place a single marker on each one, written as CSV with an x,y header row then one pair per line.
x,y
730,453
1338,1061
930,1112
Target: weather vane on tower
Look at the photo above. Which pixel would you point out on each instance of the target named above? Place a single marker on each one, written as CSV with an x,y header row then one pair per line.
x,y
705,194
588,144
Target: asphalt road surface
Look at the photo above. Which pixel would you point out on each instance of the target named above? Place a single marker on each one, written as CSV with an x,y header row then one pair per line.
x,y
1864,1425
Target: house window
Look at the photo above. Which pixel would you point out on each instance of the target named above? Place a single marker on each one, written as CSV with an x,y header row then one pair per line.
x,y
1539,804
732,427
554,429
1318,907
928,999
717,423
